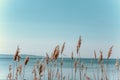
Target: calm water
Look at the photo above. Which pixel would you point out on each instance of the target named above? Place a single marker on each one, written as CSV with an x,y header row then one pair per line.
x,y
91,69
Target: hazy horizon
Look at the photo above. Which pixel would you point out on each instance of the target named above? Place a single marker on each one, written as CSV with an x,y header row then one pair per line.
x,y
38,26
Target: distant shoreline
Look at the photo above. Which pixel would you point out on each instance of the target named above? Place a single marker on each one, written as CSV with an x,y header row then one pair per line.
x,y
2,56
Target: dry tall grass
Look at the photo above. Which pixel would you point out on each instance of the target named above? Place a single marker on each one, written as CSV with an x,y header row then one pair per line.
x,y
51,61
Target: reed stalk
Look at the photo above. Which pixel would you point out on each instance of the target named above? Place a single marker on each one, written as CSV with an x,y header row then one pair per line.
x,y
109,54
9,77
75,66
72,64
16,58
62,58
25,63
79,66
61,68
117,68
14,68
93,65
23,72
78,54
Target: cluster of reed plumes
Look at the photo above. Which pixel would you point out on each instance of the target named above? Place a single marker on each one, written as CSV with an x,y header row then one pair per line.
x,y
18,71
46,65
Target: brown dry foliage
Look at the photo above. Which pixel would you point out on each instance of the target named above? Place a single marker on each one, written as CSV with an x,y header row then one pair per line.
x,y
62,47
40,69
75,65
101,57
95,54
17,53
117,63
26,60
19,68
56,52
79,44
47,58
110,52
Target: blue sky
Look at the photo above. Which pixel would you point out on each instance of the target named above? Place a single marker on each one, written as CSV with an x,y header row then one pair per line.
x,y
39,25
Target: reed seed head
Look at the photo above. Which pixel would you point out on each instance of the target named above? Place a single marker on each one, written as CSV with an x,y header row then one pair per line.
x,y
110,52
26,60
62,47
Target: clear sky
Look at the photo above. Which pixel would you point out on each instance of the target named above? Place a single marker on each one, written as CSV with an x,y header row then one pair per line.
x,y
37,26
